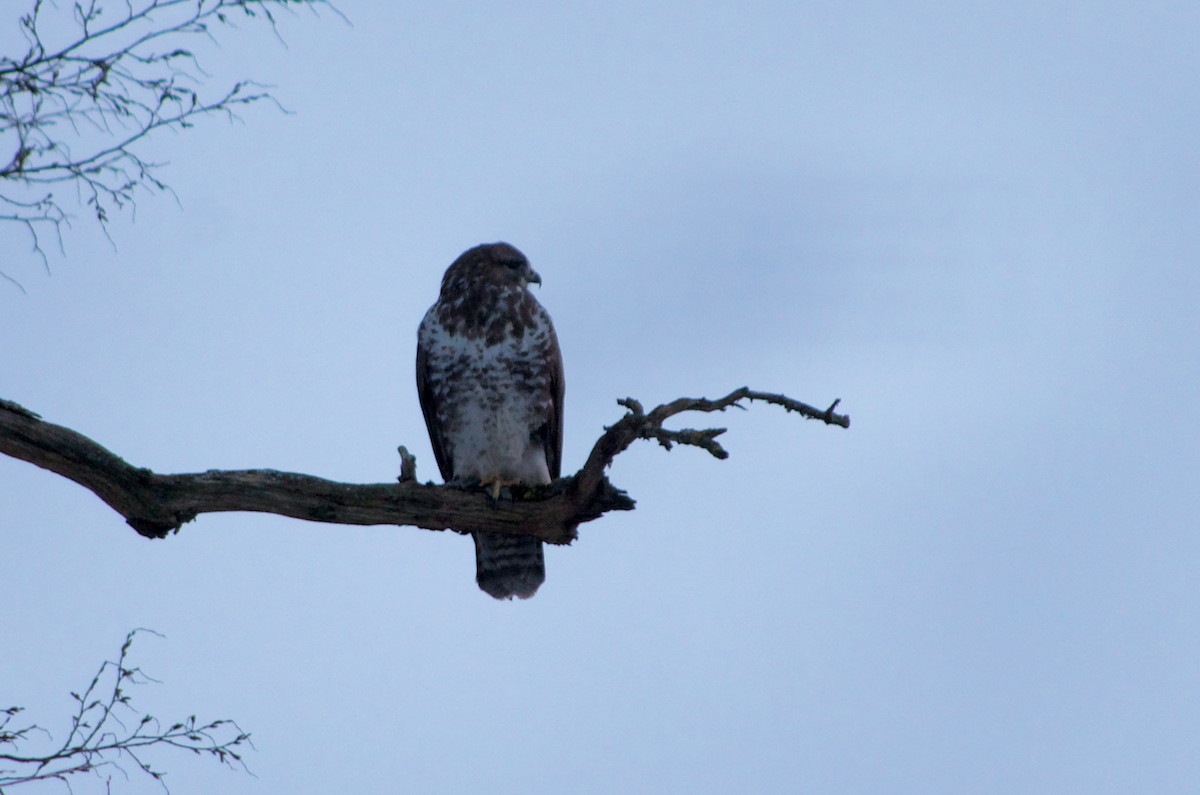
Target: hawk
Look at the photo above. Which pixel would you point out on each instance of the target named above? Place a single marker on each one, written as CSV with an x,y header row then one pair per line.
x,y
490,380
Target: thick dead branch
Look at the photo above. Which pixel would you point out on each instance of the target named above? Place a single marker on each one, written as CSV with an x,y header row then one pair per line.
x,y
155,505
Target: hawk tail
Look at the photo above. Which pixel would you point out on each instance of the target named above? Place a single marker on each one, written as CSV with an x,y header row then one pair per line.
x,y
508,566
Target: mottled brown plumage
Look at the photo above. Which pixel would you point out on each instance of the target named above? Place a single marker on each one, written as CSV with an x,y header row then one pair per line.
x,y
490,380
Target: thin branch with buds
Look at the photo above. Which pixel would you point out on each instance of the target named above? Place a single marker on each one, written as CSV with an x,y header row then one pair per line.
x,y
92,85
101,743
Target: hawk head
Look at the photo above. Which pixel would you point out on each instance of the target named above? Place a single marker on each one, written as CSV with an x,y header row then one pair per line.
x,y
485,293
493,266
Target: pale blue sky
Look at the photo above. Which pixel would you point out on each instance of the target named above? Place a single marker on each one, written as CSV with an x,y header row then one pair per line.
x,y
976,225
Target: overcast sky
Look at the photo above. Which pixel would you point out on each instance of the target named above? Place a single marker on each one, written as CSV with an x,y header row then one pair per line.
x,y
978,225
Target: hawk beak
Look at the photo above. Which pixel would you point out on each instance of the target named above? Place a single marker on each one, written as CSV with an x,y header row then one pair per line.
x,y
533,278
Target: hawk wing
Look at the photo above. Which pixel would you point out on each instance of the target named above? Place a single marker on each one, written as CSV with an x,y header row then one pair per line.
x,y
554,423
425,393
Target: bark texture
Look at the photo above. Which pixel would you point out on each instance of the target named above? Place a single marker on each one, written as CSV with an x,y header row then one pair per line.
x,y
156,505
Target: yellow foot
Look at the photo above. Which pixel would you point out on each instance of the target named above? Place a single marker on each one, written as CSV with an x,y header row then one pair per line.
x,y
496,484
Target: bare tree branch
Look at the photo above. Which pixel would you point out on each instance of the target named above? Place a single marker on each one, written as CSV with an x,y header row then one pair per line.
x,y
100,742
155,505
97,78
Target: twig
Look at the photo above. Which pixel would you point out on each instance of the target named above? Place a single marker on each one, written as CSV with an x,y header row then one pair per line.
x,y
91,87
100,740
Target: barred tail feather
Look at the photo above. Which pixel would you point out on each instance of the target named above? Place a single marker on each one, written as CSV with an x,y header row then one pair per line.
x,y
508,566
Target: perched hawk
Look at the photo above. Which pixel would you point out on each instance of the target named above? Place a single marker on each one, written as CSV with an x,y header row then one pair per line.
x,y
490,378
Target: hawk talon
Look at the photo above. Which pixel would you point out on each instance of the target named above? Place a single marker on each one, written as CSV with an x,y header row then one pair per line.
x,y
496,485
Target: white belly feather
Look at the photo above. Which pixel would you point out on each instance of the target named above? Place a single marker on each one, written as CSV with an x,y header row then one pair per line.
x,y
491,401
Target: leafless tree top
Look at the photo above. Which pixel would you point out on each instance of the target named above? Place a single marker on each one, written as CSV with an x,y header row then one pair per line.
x,y
96,78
